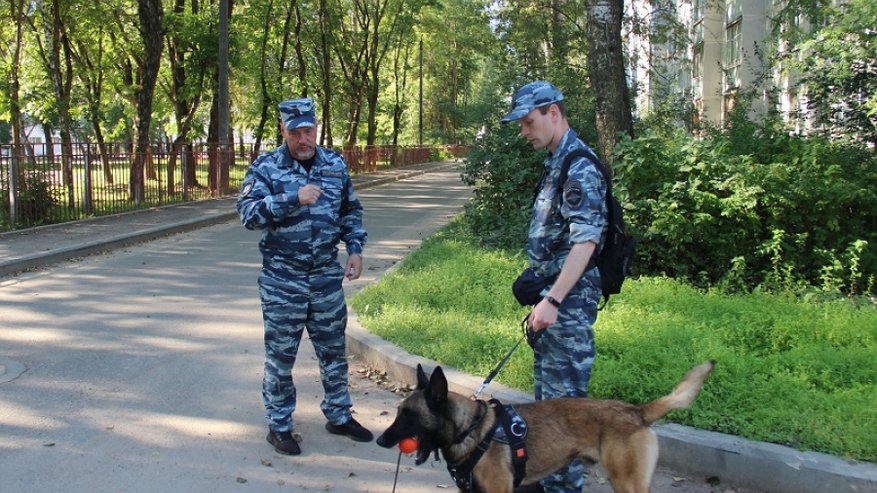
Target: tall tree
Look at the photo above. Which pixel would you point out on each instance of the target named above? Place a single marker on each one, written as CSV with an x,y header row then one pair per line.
x,y
13,41
401,57
608,79
324,55
351,51
57,59
90,66
456,36
151,27
376,49
189,55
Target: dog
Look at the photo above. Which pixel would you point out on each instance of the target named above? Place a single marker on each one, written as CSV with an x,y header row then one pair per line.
x,y
614,433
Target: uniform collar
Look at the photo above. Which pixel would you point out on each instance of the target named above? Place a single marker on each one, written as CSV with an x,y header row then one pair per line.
x,y
563,147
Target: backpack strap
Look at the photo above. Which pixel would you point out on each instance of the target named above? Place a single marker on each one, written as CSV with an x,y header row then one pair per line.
x,y
586,153
564,172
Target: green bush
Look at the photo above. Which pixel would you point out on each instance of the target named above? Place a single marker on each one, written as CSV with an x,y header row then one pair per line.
x,y
35,202
747,208
504,170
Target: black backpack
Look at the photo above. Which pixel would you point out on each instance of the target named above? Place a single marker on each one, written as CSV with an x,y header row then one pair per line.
x,y
614,260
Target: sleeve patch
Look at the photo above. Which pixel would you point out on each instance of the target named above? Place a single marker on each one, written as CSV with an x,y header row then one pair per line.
x,y
572,194
247,188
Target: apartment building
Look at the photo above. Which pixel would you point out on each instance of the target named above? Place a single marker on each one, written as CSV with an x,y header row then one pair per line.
x,y
708,53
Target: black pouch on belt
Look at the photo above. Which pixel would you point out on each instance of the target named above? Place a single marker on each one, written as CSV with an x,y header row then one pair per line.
x,y
528,287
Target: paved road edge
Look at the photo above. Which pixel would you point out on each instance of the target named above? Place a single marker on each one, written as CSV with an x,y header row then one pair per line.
x,y
10,267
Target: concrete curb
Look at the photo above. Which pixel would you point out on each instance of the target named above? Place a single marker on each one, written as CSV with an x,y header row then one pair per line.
x,y
38,260
762,466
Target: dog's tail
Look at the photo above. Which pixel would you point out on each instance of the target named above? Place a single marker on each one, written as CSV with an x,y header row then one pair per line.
x,y
682,396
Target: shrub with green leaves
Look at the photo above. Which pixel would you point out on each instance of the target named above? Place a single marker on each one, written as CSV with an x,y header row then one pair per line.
x,y
35,202
745,207
752,207
503,169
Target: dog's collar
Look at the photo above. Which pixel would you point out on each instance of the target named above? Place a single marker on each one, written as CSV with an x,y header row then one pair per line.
x,y
479,418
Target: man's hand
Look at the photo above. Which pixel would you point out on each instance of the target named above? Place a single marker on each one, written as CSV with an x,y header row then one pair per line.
x,y
542,315
353,269
308,194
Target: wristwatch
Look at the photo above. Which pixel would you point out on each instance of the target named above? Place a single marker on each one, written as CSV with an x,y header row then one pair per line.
x,y
553,301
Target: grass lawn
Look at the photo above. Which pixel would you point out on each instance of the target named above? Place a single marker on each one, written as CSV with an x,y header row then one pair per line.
x,y
802,374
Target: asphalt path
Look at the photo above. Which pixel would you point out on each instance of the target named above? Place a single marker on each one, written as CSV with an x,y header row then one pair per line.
x,y
141,369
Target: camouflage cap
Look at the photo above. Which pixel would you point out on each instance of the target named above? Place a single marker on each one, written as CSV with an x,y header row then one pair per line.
x,y
532,96
297,113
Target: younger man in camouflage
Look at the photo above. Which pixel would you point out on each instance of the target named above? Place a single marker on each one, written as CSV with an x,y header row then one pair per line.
x,y
561,242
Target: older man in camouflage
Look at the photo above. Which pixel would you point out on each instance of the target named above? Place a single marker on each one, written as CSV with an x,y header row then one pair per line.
x,y
561,242
300,196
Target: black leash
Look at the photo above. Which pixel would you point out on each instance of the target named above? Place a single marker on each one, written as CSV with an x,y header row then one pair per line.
x,y
396,478
531,339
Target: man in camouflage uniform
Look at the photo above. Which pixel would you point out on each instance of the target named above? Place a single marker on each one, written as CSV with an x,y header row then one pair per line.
x,y
561,242
301,197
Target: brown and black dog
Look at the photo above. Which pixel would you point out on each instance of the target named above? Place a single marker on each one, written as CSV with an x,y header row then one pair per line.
x,y
615,433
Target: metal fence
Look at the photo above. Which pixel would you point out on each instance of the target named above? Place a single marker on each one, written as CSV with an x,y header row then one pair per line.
x,y
40,184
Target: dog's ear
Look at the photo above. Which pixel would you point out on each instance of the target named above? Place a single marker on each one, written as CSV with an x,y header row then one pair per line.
x,y
422,379
437,390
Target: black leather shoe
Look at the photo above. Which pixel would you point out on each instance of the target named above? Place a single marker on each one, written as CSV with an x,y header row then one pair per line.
x,y
283,442
352,430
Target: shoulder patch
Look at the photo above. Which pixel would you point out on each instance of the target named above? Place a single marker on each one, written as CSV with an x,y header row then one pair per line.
x,y
332,173
247,188
572,193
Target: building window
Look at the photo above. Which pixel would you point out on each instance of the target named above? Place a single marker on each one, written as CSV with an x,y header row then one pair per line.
x,y
697,15
734,11
733,56
697,32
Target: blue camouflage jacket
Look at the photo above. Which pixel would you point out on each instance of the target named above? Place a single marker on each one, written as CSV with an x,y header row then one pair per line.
x,y
581,216
305,237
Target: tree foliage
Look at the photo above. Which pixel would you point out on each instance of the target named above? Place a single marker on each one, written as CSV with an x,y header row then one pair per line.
x,y
836,56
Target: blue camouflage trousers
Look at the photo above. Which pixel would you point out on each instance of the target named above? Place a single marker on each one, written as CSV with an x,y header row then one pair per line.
x,y
562,361
292,301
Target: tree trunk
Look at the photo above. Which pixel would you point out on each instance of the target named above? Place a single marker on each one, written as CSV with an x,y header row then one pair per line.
x,y
62,81
263,80
606,67
150,15
325,71
400,61
16,171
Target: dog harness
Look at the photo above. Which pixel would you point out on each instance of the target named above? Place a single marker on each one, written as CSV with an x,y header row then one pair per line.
x,y
510,429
